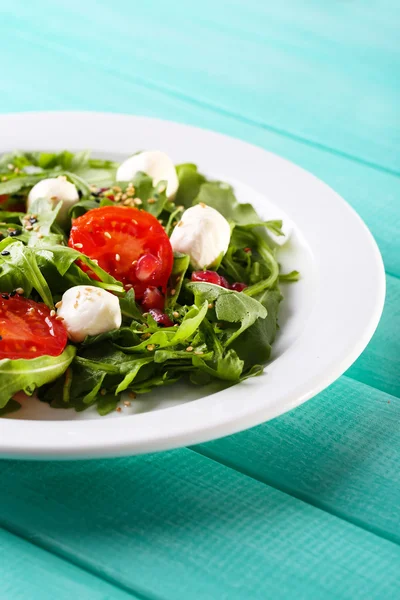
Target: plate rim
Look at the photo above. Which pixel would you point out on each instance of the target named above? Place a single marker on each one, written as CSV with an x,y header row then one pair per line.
x,y
24,438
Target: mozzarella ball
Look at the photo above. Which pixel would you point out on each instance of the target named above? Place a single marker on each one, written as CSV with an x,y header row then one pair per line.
x,y
202,233
89,310
55,189
156,165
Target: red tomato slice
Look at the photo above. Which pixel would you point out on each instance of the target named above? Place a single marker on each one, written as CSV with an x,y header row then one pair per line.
x,y
128,243
27,330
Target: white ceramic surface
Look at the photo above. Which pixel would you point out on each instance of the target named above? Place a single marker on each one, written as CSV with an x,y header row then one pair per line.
x,y
326,319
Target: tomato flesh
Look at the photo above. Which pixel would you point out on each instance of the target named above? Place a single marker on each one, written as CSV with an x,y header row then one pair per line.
x,y
128,243
27,330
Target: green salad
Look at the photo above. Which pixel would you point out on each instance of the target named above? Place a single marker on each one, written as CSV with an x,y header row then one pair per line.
x,y
116,279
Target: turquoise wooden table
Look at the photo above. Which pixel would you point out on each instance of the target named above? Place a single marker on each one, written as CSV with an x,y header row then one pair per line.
x,y
308,505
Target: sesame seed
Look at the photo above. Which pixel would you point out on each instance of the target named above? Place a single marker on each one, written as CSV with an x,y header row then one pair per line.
x,y
128,286
132,395
36,228
127,403
211,305
107,235
146,336
118,197
30,310
16,170
160,221
173,292
52,313
116,188
175,314
58,318
181,207
59,304
40,235
28,226
180,223
124,197
202,204
134,262
54,198
103,392
78,245
118,409
134,221
128,202
95,261
161,188
20,291
138,201
189,349
198,352
10,166
93,188
117,257
150,347
33,348
151,200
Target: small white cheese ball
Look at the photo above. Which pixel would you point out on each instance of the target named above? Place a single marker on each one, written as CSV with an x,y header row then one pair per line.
x,y
55,189
202,233
155,164
89,310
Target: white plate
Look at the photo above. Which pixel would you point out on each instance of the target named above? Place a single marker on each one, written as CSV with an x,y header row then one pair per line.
x,y
326,319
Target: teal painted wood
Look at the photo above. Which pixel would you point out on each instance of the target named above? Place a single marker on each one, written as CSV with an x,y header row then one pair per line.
x,y
30,573
374,194
340,451
179,526
317,74
379,364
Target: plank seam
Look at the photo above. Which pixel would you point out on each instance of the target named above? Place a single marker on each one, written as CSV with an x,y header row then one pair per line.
x,y
169,91
72,560
297,495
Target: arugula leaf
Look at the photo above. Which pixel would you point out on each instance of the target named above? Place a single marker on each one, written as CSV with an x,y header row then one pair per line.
x,y
230,306
254,345
289,277
179,268
190,181
29,374
18,268
129,308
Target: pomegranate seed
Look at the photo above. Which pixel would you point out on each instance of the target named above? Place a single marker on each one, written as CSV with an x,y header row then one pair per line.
x,y
152,298
207,276
224,283
146,267
160,317
238,286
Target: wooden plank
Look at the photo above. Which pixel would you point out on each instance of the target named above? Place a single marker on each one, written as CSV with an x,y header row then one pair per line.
x,y
379,364
28,572
286,66
374,194
339,451
180,526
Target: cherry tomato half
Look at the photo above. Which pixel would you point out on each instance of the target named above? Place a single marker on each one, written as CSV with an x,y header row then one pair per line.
x,y
128,243
27,330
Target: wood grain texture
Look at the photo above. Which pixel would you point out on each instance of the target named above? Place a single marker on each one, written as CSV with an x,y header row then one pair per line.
x,y
72,84
340,451
379,364
30,573
322,73
178,525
